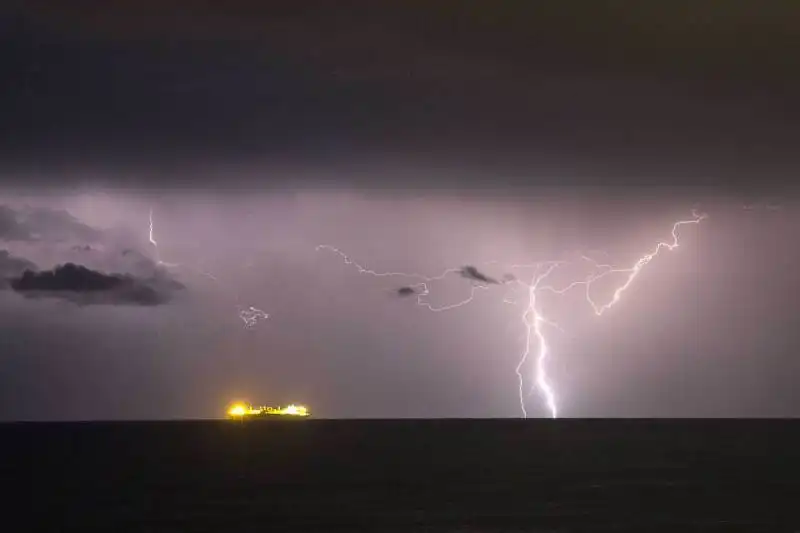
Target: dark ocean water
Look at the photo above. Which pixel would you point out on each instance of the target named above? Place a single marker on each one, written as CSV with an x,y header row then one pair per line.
x,y
403,475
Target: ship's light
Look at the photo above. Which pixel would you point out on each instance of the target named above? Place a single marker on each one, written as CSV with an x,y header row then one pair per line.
x,y
237,410
240,410
295,410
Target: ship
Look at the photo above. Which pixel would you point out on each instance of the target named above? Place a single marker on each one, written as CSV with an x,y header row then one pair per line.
x,y
240,411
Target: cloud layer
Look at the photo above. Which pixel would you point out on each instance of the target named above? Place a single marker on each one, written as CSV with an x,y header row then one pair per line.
x,y
12,267
85,286
92,267
44,224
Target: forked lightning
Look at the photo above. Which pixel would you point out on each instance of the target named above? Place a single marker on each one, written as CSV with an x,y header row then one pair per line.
x,y
250,315
532,317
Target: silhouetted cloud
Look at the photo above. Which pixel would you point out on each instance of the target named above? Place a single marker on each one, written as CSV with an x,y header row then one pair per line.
x,y
44,224
85,286
406,291
470,272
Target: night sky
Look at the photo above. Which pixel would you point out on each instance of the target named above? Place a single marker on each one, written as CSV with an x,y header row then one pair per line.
x,y
413,138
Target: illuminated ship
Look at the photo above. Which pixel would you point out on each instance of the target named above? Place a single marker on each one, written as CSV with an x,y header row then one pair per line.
x,y
240,411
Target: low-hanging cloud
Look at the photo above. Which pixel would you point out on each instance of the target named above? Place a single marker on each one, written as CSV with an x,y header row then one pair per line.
x,y
471,272
53,253
85,286
406,291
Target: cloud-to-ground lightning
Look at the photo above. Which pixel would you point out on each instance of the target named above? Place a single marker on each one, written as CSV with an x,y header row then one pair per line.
x,y
532,317
534,322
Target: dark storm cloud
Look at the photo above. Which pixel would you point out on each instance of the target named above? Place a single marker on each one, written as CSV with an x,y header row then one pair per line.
x,y
43,224
406,291
81,271
498,113
82,285
106,256
471,272
523,94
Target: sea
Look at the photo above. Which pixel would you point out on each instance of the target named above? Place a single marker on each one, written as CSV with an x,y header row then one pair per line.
x,y
464,475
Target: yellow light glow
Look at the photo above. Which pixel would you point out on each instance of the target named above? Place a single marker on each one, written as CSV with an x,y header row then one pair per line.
x,y
240,410
237,410
295,410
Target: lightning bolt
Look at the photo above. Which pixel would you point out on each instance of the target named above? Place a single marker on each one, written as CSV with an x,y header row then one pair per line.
x,y
534,325
534,322
421,288
155,245
251,315
152,239
532,317
631,273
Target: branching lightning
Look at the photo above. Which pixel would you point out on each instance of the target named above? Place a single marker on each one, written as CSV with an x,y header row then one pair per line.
x,y
249,315
421,288
532,317
632,272
534,322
